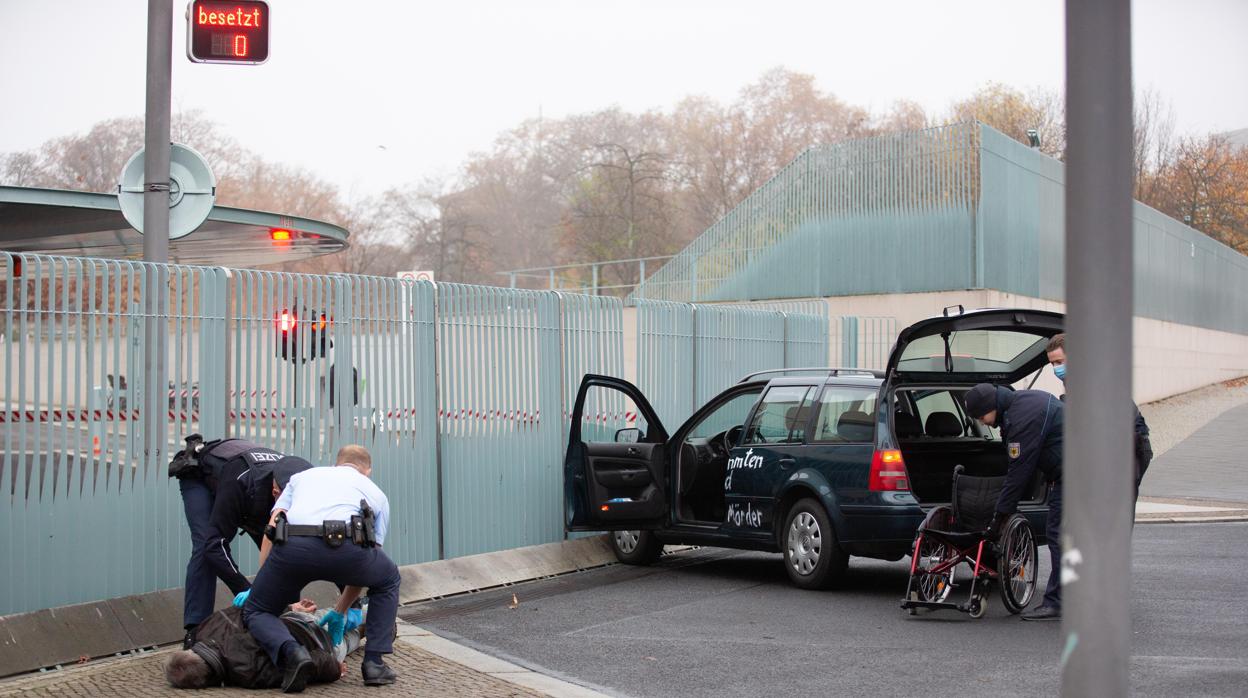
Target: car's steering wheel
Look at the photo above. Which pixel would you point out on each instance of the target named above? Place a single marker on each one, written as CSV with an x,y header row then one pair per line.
x,y
731,438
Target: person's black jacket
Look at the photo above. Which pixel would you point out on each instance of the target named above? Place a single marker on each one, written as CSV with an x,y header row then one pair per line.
x,y
243,475
1143,444
1031,427
238,660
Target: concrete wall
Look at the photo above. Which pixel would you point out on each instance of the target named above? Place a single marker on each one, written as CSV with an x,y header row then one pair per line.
x,y
1169,358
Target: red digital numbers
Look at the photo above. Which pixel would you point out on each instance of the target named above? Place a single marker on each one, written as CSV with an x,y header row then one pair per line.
x,y
227,32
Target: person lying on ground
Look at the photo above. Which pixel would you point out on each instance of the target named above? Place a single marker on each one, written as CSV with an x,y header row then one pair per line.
x,y
225,654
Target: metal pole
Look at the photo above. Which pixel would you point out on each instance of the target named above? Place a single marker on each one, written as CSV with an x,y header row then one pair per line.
x,y
513,280
156,217
595,271
1099,472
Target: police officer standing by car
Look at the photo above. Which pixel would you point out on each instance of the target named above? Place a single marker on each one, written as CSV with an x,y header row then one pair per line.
x,y
1056,351
328,524
1031,427
226,484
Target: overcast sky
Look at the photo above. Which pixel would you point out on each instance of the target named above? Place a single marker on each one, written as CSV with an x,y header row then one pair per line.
x,y
432,82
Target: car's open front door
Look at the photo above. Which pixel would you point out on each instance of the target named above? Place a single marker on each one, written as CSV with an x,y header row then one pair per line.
x,y
615,471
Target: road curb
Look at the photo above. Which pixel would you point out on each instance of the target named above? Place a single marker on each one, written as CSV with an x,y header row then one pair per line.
x,y
1230,518
469,658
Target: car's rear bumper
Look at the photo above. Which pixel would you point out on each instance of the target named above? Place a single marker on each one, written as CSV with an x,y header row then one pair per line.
x,y
882,531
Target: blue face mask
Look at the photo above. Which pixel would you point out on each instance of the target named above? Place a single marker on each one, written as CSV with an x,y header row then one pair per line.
x,y
1060,371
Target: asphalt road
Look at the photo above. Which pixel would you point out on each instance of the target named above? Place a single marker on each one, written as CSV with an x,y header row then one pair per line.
x,y
727,623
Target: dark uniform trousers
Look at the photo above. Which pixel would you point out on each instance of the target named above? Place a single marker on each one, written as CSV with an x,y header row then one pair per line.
x,y
1053,531
201,581
305,559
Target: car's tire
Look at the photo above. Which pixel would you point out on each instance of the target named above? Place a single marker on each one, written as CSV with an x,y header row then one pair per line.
x,y
812,556
635,547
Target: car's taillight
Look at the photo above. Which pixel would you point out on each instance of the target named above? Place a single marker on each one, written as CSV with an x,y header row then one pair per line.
x,y
888,472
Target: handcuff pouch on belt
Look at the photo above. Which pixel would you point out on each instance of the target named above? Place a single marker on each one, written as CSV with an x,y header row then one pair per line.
x,y
363,528
335,533
276,531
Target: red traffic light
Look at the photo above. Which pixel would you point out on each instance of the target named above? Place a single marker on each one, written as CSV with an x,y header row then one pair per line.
x,y
286,321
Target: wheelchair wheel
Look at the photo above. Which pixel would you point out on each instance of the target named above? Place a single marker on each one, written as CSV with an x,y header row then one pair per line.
x,y
933,587
1016,564
931,554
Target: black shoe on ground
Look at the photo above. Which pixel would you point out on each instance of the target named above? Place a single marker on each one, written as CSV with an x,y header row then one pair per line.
x,y
378,674
1043,613
189,639
297,669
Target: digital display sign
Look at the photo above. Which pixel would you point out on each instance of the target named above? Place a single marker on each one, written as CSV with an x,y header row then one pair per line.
x,y
227,32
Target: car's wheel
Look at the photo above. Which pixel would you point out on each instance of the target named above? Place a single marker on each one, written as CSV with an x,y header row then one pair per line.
x,y
812,556
635,547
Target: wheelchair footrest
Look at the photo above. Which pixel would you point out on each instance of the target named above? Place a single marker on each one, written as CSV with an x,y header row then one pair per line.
x,y
911,603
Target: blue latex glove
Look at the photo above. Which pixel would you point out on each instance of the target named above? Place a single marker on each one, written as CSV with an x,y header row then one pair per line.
x,y
355,616
335,622
241,598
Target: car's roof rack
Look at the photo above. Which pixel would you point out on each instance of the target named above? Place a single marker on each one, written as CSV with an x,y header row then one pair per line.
x,y
827,371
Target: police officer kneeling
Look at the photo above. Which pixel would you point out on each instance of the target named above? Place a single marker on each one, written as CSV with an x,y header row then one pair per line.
x,y
328,524
1031,426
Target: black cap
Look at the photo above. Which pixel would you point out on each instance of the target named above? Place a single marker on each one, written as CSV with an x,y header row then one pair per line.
x,y
286,468
981,400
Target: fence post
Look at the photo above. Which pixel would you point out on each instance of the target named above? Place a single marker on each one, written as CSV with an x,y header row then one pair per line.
x,y
849,341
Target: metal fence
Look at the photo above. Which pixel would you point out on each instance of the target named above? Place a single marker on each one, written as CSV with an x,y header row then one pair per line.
x,y
945,209
687,353
461,393
862,342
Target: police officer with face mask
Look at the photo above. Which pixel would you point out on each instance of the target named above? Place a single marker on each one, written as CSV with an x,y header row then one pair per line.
x,y
1031,427
226,485
1056,352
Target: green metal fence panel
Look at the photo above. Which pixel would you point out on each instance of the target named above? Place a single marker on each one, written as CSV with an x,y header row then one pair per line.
x,y
732,342
862,341
78,485
386,334
499,392
826,223
665,349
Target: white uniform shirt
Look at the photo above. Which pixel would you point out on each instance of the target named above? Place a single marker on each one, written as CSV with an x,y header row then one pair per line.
x,y
332,494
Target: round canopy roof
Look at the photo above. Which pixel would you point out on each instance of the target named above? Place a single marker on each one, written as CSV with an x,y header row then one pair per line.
x,y
88,224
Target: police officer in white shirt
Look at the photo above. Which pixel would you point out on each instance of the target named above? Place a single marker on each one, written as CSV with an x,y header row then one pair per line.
x,y
320,519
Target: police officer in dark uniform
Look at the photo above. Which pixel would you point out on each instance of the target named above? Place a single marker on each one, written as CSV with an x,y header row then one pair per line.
x,y
329,523
226,485
1031,427
1056,352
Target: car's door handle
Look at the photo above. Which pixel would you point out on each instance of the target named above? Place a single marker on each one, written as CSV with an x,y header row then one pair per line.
x,y
786,463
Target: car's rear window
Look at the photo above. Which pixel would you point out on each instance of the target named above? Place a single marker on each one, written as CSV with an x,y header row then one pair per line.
x,y
972,351
846,415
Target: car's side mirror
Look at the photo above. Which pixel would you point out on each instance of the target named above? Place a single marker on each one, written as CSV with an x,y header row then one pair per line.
x,y
628,436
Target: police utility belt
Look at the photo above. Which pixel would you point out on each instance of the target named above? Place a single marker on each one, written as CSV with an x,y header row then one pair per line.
x,y
360,530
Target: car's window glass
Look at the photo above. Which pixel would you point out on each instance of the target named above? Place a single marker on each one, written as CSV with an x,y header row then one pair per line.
x,y
607,412
729,414
846,415
781,417
935,401
972,351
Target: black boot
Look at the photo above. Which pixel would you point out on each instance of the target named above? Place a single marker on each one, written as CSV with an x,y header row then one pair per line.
x,y
1043,613
378,674
189,639
297,668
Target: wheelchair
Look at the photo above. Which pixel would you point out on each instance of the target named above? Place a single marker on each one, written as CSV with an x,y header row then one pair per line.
x,y
956,533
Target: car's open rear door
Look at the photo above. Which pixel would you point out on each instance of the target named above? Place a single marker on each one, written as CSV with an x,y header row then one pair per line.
x,y
615,471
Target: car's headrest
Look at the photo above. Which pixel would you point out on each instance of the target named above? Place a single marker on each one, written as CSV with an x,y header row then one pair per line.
x,y
908,425
943,424
855,426
796,417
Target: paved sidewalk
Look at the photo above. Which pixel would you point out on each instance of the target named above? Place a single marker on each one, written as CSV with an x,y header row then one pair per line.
x,y
421,673
1208,465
